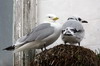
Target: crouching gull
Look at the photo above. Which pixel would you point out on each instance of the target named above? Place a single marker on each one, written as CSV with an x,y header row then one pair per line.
x,y
73,31
41,36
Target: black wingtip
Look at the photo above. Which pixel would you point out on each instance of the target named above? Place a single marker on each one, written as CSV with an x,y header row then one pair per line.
x,y
10,48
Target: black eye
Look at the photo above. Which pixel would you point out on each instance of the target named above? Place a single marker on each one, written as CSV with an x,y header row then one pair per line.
x,y
49,17
63,31
74,30
79,19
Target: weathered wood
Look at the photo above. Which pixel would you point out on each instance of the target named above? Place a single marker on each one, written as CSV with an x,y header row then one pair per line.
x,y
24,19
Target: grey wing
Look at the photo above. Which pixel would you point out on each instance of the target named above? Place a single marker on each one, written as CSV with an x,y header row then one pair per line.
x,y
22,39
41,26
78,26
31,36
45,33
39,32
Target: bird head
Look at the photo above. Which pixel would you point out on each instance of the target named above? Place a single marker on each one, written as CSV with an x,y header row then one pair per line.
x,y
52,17
77,19
69,31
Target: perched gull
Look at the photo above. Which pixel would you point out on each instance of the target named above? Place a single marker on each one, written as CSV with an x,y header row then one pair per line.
x,y
41,36
73,31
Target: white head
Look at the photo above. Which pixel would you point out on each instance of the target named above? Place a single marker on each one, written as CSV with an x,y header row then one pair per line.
x,y
52,17
77,19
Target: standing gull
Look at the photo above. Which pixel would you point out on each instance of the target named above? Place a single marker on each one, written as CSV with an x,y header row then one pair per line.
x,y
41,36
73,31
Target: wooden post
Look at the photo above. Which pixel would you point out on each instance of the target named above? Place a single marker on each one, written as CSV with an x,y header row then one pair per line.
x,y
24,19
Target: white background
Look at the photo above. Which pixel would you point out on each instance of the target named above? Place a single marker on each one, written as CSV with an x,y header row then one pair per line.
x,y
86,9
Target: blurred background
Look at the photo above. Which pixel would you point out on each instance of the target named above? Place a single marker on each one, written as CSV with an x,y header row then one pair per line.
x,y
86,9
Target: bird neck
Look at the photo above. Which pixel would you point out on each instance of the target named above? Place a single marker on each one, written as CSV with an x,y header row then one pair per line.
x,y
49,21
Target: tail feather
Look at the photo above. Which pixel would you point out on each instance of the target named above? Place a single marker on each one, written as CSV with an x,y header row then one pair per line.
x,y
10,48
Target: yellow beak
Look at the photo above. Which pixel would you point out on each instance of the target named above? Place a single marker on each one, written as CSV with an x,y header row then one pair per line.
x,y
56,18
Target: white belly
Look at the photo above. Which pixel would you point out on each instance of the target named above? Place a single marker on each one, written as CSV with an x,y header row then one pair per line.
x,y
71,39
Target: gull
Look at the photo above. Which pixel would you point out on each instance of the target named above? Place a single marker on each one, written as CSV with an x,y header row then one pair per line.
x,y
73,31
40,37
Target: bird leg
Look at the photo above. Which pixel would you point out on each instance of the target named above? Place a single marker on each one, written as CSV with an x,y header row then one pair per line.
x,y
79,43
45,47
42,49
65,42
